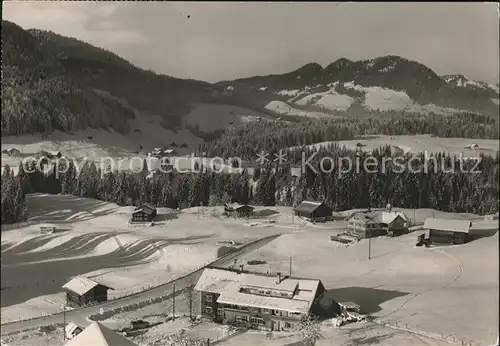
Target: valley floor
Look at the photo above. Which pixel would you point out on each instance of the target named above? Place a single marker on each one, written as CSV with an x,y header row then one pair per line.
x,y
444,292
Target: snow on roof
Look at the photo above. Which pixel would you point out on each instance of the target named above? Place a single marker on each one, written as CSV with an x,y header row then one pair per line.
x,y
385,217
263,302
308,206
227,283
98,335
462,226
47,225
81,285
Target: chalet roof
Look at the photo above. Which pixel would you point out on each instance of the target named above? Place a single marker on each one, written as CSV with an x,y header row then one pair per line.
x,y
81,285
228,283
237,206
264,302
146,208
98,335
384,217
462,226
308,206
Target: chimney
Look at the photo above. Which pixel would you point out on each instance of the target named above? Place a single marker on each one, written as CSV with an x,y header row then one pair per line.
x,y
278,277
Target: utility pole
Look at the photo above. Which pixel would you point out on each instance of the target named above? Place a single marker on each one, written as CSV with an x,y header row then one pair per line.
x,y
369,246
173,302
290,266
64,322
190,304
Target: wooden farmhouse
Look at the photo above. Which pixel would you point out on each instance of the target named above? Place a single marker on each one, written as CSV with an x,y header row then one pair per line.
x,y
144,213
448,231
314,211
239,210
81,291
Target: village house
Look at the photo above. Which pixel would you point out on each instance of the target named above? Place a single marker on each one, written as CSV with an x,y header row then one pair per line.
x,y
377,223
144,213
81,291
256,300
98,335
314,211
239,210
448,231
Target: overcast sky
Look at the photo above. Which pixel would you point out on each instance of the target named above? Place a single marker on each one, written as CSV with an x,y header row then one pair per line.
x,y
220,41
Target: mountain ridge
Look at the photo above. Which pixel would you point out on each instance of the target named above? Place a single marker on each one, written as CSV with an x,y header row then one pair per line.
x,y
53,82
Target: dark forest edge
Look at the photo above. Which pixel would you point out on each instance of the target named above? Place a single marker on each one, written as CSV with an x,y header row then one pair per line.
x,y
247,139
439,188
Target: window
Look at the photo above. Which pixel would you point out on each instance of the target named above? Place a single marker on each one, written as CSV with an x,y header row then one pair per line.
x,y
208,298
284,294
288,325
268,293
208,310
257,320
240,318
220,312
266,311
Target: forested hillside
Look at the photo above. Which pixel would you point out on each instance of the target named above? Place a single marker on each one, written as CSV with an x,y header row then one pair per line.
x,y
447,185
51,82
248,139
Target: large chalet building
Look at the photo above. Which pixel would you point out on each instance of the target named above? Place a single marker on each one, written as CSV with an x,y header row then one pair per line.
x,y
376,223
255,300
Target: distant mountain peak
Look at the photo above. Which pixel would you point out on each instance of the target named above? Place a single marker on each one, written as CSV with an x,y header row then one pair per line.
x,y
312,67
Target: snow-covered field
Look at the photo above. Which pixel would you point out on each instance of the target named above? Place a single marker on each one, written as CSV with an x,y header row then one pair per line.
x,y
375,98
211,117
96,240
449,290
282,108
421,143
330,100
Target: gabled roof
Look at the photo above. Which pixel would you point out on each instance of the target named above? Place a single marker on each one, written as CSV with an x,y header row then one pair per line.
x,y
148,205
98,335
462,226
308,206
236,206
384,217
147,208
228,283
81,285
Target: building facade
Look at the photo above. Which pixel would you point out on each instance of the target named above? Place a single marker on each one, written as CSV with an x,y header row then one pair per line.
x,y
81,291
374,224
448,231
256,300
314,211
239,210
144,213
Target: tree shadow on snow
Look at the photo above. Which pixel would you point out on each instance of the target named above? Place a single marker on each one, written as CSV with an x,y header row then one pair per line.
x,y
476,234
60,208
265,213
24,282
369,299
165,217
